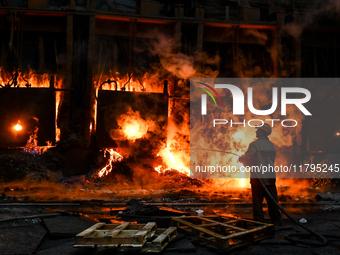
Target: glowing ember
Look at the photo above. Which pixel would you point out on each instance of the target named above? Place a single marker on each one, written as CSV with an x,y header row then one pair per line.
x,y
114,157
17,127
337,133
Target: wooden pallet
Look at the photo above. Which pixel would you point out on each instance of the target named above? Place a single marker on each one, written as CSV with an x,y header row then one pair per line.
x,y
224,233
155,239
125,233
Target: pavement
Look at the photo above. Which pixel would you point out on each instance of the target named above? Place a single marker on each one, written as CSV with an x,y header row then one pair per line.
x,y
55,234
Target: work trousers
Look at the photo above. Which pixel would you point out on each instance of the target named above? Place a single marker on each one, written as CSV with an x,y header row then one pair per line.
x,y
258,194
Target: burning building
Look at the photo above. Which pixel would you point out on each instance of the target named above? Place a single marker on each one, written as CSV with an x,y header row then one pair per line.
x,y
98,81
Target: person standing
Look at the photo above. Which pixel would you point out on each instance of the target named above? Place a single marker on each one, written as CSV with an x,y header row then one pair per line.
x,y
262,152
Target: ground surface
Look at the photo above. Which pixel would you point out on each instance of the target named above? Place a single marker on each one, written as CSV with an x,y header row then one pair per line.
x,y
55,235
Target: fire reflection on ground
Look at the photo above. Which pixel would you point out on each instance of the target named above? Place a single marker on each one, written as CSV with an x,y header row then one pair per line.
x,y
171,187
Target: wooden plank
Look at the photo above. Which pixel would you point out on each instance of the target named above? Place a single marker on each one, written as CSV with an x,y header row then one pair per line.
x,y
116,231
84,245
231,221
127,240
146,230
226,225
127,233
109,226
209,225
234,227
258,223
162,240
206,231
99,233
244,233
130,227
164,235
132,245
90,230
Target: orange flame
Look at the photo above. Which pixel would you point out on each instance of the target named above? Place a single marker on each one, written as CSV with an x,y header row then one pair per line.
x,y
147,83
172,162
133,130
132,126
114,157
242,179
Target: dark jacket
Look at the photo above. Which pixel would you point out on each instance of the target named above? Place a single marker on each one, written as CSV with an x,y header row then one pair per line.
x,y
260,152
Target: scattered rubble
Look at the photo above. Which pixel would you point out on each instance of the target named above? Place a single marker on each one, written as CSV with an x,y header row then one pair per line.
x,y
303,220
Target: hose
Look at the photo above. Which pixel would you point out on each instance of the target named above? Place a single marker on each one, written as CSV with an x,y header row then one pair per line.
x,y
322,240
228,152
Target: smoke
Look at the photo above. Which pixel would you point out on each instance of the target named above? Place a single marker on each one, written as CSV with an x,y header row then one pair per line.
x,y
177,64
262,37
181,65
310,16
255,62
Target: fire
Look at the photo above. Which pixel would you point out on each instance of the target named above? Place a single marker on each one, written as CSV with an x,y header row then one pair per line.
x,y
147,83
133,130
236,142
133,126
159,168
58,100
114,157
17,127
172,162
32,147
242,179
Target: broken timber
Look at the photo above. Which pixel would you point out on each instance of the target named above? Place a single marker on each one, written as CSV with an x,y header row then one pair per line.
x,y
223,232
126,237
